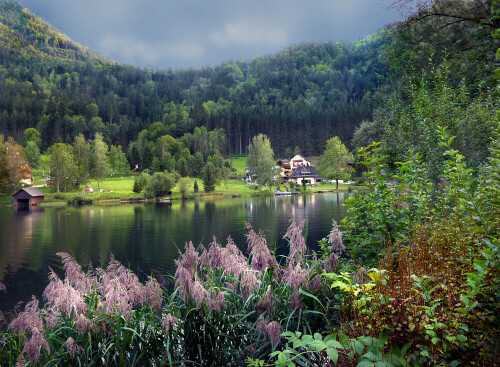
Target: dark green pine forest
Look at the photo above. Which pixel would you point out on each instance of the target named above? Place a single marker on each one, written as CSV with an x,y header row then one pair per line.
x,y
298,97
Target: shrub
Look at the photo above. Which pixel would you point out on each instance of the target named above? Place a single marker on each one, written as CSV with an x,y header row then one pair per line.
x,y
59,196
140,182
160,184
184,184
79,200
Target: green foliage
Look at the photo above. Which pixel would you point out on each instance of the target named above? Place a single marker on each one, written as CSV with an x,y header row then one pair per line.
x,y
211,176
334,163
412,123
140,182
374,215
82,157
160,184
32,154
117,159
260,162
62,167
33,135
98,159
438,282
183,186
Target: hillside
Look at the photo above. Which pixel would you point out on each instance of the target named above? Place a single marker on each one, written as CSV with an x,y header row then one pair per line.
x,y
298,97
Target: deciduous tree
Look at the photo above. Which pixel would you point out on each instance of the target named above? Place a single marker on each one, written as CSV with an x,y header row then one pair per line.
x,y
62,166
261,163
99,162
32,153
334,163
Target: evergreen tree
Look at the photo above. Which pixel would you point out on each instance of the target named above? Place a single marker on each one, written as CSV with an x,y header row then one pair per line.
x,y
210,176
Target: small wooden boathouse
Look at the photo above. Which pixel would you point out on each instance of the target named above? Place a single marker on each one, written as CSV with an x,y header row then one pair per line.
x,y
29,196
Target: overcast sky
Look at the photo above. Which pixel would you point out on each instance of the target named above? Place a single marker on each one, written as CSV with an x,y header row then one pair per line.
x,y
195,33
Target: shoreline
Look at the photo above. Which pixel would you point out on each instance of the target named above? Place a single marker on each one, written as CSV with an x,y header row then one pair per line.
x,y
135,200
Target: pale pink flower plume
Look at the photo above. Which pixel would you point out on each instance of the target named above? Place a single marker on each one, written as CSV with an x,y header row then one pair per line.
x,y
189,260
271,330
122,291
2,287
297,243
29,319
295,301
331,263
217,301
62,298
266,303
232,261
82,282
72,347
152,294
32,347
295,275
169,322
257,247
83,325
335,239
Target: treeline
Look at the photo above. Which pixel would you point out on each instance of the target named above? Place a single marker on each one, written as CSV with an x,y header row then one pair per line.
x,y
296,97
70,165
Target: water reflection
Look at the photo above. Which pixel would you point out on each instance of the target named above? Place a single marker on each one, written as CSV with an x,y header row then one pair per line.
x,y
143,236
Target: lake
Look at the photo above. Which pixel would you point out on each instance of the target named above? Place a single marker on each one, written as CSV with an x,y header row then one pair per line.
x,y
144,236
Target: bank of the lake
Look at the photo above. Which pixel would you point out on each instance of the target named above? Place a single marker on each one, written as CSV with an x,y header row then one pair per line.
x,y
120,189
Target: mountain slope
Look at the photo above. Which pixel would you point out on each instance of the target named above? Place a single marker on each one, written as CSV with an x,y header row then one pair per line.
x,y
27,35
299,97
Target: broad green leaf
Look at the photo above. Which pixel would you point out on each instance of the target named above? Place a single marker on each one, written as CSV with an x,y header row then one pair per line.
x,y
332,354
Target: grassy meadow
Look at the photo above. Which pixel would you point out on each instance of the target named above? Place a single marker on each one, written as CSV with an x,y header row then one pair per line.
x,y
120,188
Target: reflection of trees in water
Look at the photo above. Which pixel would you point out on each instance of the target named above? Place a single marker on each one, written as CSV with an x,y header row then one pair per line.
x,y
316,210
17,230
147,236
17,238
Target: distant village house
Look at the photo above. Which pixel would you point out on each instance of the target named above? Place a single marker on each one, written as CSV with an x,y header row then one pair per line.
x,y
298,161
305,175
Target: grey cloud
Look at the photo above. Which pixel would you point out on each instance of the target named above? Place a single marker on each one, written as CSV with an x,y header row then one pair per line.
x,y
243,33
193,33
149,53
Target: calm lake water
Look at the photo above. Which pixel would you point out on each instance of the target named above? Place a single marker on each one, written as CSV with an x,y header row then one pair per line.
x,y
143,236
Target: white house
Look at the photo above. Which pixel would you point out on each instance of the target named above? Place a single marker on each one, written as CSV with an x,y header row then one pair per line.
x,y
298,161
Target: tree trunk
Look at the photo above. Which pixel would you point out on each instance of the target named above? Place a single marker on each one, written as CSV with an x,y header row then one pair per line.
x,y
337,181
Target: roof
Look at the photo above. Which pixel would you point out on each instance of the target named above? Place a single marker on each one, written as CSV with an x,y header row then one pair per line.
x,y
31,191
305,171
298,155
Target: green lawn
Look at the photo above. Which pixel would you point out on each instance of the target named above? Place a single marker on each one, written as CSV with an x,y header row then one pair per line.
x,y
240,163
122,189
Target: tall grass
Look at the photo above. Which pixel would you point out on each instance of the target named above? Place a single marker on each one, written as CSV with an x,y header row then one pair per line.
x,y
226,307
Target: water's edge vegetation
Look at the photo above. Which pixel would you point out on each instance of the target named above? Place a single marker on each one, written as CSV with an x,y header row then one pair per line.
x,y
420,288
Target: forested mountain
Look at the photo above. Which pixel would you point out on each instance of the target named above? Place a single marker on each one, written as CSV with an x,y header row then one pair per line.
x,y
298,97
